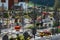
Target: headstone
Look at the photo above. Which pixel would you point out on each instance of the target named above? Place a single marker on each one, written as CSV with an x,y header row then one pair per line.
x,y
0,27
34,31
26,35
5,37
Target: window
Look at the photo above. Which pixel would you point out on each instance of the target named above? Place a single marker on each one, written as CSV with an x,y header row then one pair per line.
x,y
3,0
16,1
21,0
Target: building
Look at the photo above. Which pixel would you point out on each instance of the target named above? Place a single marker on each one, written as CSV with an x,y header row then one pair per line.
x,y
9,3
4,3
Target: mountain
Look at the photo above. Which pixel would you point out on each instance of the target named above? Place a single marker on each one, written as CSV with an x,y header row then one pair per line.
x,y
44,2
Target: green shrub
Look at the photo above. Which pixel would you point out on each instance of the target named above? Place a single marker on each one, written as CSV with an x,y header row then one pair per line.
x,y
6,15
58,30
30,27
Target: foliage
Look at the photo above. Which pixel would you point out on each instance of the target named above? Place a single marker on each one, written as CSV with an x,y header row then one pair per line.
x,y
6,15
58,30
26,16
21,37
44,2
30,27
55,24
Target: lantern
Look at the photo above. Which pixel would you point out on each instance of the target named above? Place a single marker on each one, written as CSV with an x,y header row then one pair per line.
x,y
17,28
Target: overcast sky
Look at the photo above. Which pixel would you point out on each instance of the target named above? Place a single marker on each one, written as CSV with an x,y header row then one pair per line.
x,y
5,4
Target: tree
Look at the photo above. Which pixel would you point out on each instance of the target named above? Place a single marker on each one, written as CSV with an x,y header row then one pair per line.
x,y
56,11
5,15
57,5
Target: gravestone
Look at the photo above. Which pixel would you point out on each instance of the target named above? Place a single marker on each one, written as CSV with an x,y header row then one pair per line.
x,y
5,37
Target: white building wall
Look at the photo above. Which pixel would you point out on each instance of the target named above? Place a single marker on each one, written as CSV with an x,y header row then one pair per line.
x,y
5,4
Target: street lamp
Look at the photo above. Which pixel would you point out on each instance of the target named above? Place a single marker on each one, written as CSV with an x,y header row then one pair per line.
x,y
17,28
22,16
34,20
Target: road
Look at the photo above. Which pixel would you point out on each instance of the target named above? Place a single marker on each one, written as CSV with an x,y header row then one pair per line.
x,y
51,37
13,32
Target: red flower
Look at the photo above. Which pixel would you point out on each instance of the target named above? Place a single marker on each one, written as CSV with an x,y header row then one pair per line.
x,y
58,26
44,13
